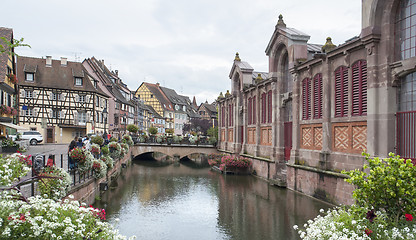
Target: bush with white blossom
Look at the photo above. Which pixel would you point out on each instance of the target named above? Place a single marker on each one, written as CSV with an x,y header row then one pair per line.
x,y
54,182
13,167
99,168
115,149
385,204
43,218
108,161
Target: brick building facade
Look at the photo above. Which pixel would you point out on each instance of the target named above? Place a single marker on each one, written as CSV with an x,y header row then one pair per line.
x,y
318,107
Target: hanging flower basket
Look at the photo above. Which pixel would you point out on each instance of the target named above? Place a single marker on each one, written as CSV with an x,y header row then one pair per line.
x,y
12,78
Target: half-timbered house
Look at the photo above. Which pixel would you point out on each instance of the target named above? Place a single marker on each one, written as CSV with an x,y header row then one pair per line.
x,y
59,99
121,109
8,81
317,109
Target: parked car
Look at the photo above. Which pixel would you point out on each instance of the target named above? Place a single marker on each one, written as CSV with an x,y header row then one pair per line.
x,y
34,137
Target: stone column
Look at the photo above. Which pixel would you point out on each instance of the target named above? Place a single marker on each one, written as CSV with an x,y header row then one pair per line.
x,y
381,101
327,79
294,154
257,114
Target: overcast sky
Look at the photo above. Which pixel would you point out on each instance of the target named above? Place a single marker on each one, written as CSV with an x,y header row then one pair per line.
x,y
186,45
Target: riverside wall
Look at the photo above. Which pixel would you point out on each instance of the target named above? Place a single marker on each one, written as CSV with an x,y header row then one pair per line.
x,y
88,190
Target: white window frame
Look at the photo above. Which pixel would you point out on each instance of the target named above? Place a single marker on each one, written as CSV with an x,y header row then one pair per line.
x,y
82,118
78,81
32,76
28,94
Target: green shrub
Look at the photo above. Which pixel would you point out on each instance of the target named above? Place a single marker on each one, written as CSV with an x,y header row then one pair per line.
x,y
97,140
105,150
113,139
169,130
132,128
388,186
153,131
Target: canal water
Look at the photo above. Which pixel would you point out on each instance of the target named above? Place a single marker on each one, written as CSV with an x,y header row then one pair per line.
x,y
156,200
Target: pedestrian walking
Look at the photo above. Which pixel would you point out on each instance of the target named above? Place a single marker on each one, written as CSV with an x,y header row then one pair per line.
x,y
72,145
80,144
87,143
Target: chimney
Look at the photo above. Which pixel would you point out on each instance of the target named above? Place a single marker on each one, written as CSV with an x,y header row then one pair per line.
x,y
64,61
49,61
157,84
116,72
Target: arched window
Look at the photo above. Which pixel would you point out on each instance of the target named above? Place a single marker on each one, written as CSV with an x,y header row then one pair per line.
x,y
406,30
407,93
287,83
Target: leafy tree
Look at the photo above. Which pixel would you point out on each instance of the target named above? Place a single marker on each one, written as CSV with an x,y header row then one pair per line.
x,y
7,45
197,125
213,132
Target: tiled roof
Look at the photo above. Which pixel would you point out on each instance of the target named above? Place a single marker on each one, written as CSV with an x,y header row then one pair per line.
x,y
55,76
8,34
105,74
158,93
155,114
314,47
263,75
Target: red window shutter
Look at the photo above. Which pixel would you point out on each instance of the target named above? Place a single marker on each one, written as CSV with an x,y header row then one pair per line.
x,y
223,116
306,102
229,115
341,92
264,108
317,96
249,108
269,106
359,88
254,111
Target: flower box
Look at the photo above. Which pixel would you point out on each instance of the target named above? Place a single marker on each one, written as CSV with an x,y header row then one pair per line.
x,y
9,149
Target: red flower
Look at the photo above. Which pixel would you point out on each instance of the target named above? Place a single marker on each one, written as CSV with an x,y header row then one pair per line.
x,y
368,231
409,217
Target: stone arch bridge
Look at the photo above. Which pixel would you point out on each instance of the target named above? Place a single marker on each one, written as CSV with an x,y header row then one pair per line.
x,y
172,150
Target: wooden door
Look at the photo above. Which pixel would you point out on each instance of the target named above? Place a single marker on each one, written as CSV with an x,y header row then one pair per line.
x,y
49,135
287,139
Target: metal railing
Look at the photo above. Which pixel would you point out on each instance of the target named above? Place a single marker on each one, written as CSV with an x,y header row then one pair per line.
x,y
171,140
39,162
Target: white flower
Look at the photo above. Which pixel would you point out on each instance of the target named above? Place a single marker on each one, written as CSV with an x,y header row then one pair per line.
x,y
295,227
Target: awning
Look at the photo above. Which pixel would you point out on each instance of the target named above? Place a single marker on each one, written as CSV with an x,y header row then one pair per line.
x,y
14,126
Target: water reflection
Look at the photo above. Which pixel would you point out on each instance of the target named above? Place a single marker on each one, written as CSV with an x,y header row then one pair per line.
x,y
156,200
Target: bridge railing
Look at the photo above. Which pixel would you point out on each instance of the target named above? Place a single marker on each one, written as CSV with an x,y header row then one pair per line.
x,y
202,141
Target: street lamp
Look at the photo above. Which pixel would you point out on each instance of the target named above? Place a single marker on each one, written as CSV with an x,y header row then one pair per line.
x,y
125,123
105,122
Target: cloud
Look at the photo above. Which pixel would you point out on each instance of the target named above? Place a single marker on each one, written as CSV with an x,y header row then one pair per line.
x,y
185,45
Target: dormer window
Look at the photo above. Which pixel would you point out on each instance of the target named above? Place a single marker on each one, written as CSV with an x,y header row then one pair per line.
x,y
78,81
176,107
30,77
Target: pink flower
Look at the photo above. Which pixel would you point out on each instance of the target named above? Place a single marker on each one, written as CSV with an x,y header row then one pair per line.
x,y
368,231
